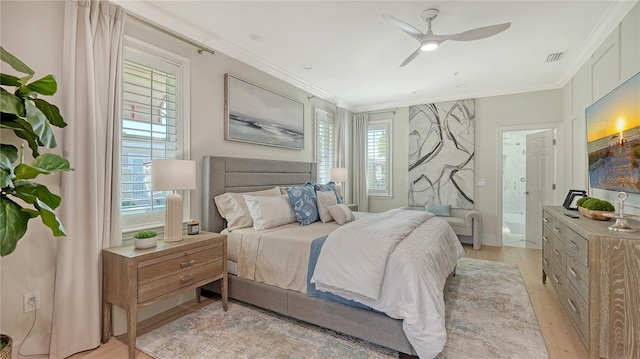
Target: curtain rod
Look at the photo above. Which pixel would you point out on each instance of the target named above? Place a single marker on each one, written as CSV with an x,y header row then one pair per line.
x,y
201,48
383,111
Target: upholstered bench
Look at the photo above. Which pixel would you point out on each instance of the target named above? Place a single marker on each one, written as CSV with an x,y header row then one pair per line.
x,y
466,223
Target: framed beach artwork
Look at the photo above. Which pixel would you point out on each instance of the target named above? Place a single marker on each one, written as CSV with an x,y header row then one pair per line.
x,y
254,114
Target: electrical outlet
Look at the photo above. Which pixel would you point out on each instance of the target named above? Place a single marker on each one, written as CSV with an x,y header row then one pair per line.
x,y
31,301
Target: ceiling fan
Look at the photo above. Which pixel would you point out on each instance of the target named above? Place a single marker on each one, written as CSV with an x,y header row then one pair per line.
x,y
430,41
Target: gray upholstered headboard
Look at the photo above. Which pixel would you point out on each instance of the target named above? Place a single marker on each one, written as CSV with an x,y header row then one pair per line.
x,y
233,174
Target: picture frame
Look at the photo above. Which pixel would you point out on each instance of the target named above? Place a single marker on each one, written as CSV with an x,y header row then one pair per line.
x,y
572,197
254,114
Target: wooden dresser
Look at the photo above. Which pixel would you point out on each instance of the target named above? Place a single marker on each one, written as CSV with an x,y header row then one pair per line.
x,y
135,278
596,275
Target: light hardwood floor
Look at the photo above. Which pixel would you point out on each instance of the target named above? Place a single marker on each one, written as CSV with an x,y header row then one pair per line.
x,y
561,338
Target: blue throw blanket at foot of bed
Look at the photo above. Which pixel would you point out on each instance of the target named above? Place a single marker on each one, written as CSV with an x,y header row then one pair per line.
x,y
316,247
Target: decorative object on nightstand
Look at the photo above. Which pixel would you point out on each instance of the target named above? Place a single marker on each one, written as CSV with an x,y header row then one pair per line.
x,y
173,175
145,239
133,279
193,227
339,176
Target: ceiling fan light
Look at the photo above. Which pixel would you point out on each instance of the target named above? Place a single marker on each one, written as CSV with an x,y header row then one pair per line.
x,y
429,45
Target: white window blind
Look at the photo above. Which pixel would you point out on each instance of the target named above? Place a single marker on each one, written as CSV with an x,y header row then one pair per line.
x,y
325,145
151,129
378,158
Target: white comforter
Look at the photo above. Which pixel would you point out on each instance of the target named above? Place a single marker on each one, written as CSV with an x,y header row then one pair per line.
x,y
400,264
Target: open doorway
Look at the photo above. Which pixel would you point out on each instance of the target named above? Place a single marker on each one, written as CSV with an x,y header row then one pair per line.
x,y
523,195
514,186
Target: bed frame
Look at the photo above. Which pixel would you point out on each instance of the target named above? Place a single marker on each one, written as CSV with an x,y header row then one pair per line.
x,y
231,174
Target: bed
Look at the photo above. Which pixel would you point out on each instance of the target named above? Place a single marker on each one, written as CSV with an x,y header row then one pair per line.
x,y
230,174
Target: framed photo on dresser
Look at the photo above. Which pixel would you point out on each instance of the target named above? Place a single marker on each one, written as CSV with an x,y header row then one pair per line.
x,y
572,197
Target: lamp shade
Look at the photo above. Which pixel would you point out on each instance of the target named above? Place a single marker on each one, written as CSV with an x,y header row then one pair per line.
x,y
338,174
169,175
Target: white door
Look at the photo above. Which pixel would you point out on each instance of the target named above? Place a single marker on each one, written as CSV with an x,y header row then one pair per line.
x,y
540,181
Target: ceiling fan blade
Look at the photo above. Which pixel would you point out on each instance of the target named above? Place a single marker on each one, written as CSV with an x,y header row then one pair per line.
x,y
411,57
479,33
412,31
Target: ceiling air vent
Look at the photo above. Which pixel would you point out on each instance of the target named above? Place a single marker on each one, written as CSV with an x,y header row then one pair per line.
x,y
554,57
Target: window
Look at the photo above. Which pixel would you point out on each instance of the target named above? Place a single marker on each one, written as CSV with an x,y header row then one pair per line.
x,y
154,126
379,158
325,144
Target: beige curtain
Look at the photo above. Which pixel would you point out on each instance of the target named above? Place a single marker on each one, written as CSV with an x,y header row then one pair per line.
x,y
341,154
359,167
90,210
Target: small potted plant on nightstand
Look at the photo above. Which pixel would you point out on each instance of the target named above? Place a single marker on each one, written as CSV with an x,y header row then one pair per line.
x,y
145,239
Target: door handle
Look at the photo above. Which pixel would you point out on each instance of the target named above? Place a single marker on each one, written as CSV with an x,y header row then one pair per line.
x,y
526,193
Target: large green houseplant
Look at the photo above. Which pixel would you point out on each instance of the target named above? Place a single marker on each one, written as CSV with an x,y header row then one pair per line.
x,y
30,118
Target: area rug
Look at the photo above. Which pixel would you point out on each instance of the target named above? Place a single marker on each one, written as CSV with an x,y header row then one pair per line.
x,y
488,315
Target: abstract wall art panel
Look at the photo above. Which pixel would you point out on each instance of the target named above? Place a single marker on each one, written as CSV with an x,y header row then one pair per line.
x,y
441,154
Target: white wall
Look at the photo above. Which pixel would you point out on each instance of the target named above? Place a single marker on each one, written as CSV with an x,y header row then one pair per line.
x,y
32,31
615,61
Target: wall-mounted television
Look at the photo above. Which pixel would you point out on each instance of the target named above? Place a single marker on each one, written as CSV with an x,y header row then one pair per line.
x,y
613,139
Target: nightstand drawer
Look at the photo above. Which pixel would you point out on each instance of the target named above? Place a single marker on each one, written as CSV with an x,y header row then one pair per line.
x,y
164,266
184,278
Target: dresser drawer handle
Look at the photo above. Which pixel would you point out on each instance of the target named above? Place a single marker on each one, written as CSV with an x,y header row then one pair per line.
x,y
556,251
545,220
556,279
573,307
573,272
187,263
186,279
557,229
546,262
544,238
575,245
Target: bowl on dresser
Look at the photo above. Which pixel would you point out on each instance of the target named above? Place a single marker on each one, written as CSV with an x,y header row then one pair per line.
x,y
593,214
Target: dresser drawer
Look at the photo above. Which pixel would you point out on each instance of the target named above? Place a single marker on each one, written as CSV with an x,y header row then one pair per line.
x,y
578,275
181,279
558,249
552,225
176,263
577,248
558,278
578,311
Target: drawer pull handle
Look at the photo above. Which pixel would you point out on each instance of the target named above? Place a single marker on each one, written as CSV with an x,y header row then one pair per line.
x,y
556,279
556,251
574,244
187,263
546,262
544,238
545,220
573,272
573,307
186,279
557,229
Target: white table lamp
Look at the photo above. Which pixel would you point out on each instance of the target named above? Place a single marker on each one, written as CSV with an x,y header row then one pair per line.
x,y
173,175
339,176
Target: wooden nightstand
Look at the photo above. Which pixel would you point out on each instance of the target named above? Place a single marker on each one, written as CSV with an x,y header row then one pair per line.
x,y
352,206
135,278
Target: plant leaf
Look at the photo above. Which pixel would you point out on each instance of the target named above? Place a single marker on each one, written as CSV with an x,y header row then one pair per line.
x,y
9,80
52,163
13,225
6,171
40,125
51,111
50,219
14,62
44,86
23,130
28,191
24,171
11,103
10,151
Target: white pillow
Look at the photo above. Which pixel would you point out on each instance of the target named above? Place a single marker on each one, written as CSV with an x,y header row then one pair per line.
x,y
326,199
341,213
268,212
233,207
